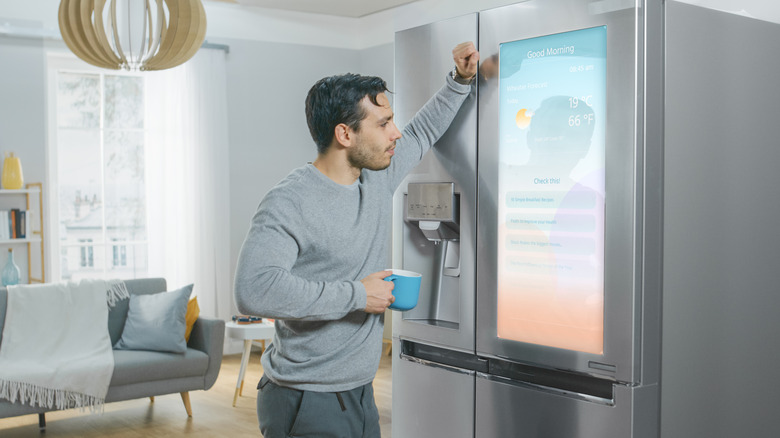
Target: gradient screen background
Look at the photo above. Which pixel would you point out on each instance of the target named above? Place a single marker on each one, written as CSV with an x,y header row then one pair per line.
x,y
551,190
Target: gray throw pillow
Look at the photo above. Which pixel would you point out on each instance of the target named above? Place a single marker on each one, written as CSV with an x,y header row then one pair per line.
x,y
156,322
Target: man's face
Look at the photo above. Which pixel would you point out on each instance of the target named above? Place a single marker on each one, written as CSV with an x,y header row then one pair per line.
x,y
375,141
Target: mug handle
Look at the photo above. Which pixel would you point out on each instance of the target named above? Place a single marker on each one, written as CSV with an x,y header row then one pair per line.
x,y
390,277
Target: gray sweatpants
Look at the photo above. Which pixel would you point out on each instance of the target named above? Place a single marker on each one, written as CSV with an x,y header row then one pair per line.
x,y
284,412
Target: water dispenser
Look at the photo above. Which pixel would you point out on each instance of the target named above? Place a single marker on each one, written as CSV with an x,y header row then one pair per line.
x,y
432,233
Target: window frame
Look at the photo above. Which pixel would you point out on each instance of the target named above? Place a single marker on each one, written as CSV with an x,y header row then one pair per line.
x,y
66,62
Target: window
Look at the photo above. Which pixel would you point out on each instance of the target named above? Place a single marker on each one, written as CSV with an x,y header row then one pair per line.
x,y
87,254
98,153
119,253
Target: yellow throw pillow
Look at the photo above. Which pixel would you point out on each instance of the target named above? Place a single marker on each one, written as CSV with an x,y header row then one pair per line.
x,y
193,310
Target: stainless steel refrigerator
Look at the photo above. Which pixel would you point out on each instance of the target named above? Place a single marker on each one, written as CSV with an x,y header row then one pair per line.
x,y
538,223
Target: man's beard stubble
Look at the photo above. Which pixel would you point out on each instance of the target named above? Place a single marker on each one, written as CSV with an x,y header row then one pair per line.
x,y
361,157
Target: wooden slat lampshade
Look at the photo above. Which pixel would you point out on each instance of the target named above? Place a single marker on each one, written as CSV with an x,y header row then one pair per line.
x,y
133,34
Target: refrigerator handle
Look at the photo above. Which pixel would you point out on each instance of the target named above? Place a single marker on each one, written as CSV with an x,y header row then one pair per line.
x,y
438,365
452,360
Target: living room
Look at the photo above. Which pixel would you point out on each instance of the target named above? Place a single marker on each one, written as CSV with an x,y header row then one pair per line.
x,y
270,58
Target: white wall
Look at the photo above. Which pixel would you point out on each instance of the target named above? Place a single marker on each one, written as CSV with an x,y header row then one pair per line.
x,y
22,100
267,85
22,124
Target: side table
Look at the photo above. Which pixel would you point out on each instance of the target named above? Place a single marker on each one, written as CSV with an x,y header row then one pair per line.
x,y
248,333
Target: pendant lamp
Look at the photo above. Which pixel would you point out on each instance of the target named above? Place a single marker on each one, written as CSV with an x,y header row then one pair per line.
x,y
133,34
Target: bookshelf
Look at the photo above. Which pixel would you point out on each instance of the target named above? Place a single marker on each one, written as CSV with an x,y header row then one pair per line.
x,y
33,242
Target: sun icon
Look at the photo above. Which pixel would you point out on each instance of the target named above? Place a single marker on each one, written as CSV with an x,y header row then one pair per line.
x,y
523,118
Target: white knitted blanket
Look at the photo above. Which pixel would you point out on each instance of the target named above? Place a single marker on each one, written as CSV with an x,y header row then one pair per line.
x,y
56,351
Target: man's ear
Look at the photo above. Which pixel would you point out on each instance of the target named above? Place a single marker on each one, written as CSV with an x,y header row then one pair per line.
x,y
343,135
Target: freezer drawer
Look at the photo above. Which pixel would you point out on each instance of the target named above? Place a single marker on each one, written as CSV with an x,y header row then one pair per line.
x,y
431,400
511,408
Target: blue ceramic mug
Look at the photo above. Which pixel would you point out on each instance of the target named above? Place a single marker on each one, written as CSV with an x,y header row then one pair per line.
x,y
406,290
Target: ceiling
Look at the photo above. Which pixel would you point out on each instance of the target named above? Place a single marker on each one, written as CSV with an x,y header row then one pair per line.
x,y
341,8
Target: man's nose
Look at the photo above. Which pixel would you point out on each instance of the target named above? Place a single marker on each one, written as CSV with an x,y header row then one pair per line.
x,y
397,134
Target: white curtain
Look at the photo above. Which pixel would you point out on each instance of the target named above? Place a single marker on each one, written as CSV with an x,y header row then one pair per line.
x,y
187,165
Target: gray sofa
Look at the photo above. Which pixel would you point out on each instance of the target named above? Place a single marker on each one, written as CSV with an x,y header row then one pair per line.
x,y
139,374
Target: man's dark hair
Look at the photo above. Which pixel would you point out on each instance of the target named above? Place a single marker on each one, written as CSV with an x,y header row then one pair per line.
x,y
336,99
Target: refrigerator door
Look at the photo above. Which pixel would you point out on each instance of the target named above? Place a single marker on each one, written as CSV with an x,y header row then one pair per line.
x,y
721,212
442,250
506,408
560,186
430,399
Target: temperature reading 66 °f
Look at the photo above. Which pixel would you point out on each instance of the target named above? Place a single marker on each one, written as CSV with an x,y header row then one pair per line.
x,y
574,102
580,119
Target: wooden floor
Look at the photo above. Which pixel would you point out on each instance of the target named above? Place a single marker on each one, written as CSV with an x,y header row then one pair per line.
x,y
212,411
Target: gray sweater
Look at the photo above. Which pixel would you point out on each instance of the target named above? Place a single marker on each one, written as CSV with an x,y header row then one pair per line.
x,y
310,243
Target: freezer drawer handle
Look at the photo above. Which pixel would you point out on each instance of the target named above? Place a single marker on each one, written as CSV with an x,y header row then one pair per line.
x,y
562,380
442,366
430,355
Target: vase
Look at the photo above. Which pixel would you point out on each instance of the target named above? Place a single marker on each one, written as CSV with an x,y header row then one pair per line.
x,y
12,178
10,274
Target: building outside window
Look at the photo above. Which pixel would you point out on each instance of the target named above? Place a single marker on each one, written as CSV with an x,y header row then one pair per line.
x,y
120,253
87,253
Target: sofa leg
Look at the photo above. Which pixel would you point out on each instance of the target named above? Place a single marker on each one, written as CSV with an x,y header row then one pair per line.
x,y
42,422
185,397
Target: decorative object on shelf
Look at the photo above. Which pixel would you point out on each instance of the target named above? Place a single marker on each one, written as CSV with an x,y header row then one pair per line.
x,y
10,274
246,319
133,35
12,178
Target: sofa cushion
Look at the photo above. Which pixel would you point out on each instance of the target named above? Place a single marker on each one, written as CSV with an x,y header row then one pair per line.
x,y
193,311
118,314
156,322
135,366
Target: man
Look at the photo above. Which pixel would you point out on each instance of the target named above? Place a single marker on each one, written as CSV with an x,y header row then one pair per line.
x,y
317,247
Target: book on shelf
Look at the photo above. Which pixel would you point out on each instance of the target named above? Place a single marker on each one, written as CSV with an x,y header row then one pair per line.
x,y
21,227
14,224
4,225
14,215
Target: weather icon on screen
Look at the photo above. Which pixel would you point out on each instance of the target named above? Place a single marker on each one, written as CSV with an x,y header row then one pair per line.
x,y
523,118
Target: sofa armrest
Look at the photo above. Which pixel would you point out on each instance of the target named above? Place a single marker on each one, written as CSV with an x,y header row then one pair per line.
x,y
208,336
